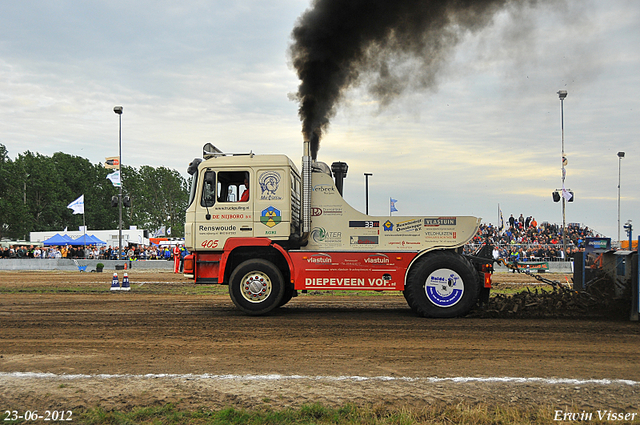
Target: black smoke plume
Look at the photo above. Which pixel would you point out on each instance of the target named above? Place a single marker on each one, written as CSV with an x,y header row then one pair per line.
x,y
390,45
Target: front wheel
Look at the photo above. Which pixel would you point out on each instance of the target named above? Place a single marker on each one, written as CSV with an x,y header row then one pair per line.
x,y
256,286
443,284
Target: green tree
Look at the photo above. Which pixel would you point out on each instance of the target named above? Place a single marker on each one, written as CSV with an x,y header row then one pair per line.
x,y
159,197
80,177
35,191
9,223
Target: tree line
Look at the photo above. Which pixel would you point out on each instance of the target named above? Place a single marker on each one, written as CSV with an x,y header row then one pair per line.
x,y
35,190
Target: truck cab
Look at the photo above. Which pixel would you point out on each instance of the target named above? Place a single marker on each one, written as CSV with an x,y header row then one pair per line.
x,y
242,196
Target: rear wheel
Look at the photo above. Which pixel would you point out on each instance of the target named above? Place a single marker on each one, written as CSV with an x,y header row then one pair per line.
x,y
443,284
256,286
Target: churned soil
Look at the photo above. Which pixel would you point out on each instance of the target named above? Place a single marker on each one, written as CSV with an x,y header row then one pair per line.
x,y
68,342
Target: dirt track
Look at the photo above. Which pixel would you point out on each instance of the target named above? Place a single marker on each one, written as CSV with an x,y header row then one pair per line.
x,y
307,348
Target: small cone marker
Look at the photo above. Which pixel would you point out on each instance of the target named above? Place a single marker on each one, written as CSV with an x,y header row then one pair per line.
x,y
125,283
115,284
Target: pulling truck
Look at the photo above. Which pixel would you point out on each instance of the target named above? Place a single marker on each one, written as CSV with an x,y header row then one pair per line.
x,y
294,232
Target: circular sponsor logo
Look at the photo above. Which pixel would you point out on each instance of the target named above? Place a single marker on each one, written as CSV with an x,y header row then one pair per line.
x,y
444,287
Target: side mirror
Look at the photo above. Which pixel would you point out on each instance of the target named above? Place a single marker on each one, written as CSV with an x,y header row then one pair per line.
x,y
193,166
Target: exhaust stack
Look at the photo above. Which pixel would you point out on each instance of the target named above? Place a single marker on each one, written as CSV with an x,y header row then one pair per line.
x,y
306,191
339,170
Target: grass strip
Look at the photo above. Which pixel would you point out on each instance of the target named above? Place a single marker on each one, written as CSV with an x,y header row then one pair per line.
x,y
312,414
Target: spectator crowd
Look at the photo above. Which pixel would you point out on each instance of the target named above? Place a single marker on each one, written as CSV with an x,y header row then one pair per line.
x,y
524,239
132,252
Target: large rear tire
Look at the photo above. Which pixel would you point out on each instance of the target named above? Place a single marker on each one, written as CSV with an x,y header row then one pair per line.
x,y
256,287
442,284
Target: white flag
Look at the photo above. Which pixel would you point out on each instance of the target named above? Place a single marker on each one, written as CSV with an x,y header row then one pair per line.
x,y
115,178
78,205
169,231
160,231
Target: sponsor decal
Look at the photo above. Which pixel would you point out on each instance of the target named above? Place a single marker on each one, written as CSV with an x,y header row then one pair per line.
x,y
405,244
319,259
327,189
409,226
364,240
320,235
232,208
441,235
230,216
349,281
440,221
366,224
269,183
202,228
270,216
377,259
388,226
326,210
444,287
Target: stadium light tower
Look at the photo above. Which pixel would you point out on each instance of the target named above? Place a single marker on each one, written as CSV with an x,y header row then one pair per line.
x,y
562,94
118,110
620,156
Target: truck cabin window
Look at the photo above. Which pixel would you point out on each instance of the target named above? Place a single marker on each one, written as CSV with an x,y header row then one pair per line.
x,y
208,189
233,186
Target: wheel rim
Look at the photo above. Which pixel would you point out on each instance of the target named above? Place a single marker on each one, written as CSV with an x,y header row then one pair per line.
x,y
444,287
255,287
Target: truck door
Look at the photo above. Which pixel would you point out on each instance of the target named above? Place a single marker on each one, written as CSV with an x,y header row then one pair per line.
x,y
225,208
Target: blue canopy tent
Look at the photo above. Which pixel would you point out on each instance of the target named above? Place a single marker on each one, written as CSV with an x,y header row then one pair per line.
x,y
87,240
97,241
57,240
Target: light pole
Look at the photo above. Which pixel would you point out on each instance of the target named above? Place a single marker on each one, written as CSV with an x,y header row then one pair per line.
x,y
366,191
620,156
562,94
118,110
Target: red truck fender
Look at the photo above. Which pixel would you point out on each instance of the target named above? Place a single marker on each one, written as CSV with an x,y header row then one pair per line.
x,y
233,243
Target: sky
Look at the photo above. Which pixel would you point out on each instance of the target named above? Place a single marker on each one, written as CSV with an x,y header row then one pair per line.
x,y
191,72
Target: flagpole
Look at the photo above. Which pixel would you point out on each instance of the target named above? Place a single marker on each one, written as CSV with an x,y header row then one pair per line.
x,y
118,110
84,231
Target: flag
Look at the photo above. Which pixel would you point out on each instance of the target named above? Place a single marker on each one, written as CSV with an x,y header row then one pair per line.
x,y
392,205
78,205
566,194
115,178
112,162
169,231
160,231
500,219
